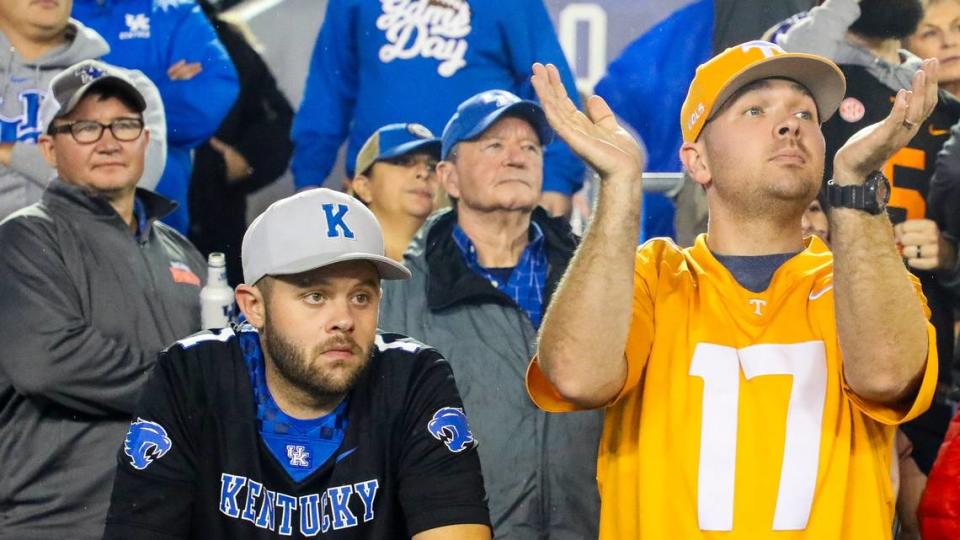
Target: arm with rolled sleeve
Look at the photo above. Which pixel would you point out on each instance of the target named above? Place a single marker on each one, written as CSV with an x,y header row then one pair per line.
x,y
440,484
51,351
329,98
156,501
530,38
196,107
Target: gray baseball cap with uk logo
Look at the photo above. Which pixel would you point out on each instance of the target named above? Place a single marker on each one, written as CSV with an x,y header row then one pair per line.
x,y
70,85
312,229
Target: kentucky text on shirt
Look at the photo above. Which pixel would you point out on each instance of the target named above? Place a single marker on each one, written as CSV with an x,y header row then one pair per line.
x,y
318,512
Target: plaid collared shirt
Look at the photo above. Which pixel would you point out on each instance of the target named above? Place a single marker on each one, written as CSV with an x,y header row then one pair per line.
x,y
528,278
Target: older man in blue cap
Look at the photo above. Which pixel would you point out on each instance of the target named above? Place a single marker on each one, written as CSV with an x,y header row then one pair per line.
x,y
397,179
483,274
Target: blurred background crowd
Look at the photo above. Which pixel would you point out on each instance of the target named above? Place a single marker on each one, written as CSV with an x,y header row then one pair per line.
x,y
260,98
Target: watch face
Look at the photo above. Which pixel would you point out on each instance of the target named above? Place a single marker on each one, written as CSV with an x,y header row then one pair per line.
x,y
883,189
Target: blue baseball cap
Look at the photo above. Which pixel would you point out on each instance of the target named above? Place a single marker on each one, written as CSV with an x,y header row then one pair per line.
x,y
395,140
479,112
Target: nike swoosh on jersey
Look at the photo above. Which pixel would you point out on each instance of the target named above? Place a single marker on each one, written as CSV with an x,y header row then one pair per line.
x,y
343,455
821,292
937,132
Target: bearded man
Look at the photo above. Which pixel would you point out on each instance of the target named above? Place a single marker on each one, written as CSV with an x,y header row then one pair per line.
x,y
305,419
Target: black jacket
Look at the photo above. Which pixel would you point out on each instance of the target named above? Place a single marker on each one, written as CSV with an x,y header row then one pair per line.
x,y
258,127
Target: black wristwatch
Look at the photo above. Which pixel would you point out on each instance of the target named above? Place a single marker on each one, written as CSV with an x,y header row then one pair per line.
x,y
871,196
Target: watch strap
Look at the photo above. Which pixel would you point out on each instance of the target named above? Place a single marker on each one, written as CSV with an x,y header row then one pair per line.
x,y
851,196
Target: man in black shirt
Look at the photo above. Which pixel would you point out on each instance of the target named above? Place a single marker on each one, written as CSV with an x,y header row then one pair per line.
x,y
875,71
305,420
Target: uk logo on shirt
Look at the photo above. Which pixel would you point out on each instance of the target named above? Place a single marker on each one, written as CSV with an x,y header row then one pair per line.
x,y
24,127
298,455
138,26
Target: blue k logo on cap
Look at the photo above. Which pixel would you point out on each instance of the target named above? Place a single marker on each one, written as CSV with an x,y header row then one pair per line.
x,y
313,229
479,112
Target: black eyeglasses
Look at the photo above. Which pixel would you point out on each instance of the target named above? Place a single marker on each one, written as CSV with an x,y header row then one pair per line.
x,y
88,131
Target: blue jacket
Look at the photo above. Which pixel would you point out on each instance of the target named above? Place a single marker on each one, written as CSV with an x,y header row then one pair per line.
x,y
152,35
372,67
646,86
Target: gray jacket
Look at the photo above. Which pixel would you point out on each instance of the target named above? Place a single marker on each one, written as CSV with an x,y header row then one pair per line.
x,y
823,31
539,469
23,92
85,306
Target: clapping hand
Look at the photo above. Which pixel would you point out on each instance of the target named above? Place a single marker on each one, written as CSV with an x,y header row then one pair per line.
x,y
595,136
868,149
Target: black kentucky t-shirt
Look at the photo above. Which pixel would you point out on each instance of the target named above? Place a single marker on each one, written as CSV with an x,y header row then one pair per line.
x,y
194,465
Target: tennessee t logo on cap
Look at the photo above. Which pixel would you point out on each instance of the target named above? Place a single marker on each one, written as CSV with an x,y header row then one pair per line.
x,y
720,77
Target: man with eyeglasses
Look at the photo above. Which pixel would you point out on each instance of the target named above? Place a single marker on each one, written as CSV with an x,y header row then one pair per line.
x,y
93,287
397,179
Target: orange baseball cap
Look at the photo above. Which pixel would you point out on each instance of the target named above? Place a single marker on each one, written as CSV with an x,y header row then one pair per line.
x,y
718,78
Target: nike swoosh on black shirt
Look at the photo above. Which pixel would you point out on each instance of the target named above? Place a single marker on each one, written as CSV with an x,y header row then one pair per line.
x,y
343,455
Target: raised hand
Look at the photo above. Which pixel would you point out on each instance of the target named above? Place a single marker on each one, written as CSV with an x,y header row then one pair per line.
x,y
595,136
869,148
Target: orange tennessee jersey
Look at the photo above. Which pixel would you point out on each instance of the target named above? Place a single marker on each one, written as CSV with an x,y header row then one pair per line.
x,y
735,421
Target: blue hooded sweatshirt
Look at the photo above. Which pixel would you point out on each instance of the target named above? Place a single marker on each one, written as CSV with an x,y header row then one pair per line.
x,y
388,61
152,35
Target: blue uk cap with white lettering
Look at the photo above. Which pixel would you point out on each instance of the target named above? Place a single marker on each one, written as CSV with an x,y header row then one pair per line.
x,y
312,229
479,112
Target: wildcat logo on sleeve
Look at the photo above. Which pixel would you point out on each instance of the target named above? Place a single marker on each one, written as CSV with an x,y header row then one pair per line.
x,y
145,443
182,274
449,425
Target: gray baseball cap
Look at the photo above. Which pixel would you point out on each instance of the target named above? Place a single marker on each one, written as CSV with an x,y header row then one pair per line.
x,y
312,229
70,85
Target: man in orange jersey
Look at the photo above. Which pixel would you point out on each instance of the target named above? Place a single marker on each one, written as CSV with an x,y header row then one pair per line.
x,y
752,382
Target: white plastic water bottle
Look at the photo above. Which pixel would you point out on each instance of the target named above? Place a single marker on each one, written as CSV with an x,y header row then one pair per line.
x,y
216,297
